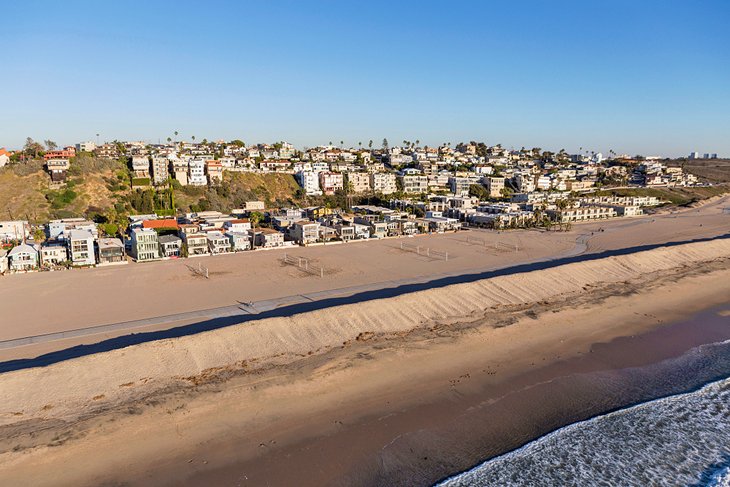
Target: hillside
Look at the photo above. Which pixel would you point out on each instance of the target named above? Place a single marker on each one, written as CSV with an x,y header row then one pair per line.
x,y
100,189
680,196
711,170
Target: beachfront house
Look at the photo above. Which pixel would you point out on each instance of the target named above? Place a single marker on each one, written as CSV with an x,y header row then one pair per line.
x,y
170,245
268,238
110,251
80,245
22,258
195,243
3,261
53,254
145,245
218,243
239,225
304,232
239,241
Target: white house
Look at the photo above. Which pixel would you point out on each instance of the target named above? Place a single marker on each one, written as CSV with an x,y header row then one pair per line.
x,y
218,243
196,173
309,182
23,257
81,247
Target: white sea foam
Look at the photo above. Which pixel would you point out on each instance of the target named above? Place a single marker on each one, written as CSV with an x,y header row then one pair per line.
x,y
678,440
721,478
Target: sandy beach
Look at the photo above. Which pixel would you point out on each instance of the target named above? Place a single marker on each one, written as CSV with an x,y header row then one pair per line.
x,y
42,303
404,390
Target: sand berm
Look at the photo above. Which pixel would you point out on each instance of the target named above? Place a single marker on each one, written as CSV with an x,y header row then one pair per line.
x,y
64,391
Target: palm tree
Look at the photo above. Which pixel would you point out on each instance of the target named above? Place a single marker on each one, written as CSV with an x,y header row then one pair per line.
x,y
359,144
342,144
330,143
176,136
418,142
169,140
254,218
193,137
370,144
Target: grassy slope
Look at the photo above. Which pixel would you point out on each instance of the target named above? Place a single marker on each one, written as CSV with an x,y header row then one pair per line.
x,y
676,196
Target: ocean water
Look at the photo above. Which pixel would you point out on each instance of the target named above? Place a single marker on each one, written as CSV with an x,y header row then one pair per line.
x,y
681,440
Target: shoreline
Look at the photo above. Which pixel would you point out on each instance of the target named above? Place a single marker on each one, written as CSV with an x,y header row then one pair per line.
x,y
676,391
371,399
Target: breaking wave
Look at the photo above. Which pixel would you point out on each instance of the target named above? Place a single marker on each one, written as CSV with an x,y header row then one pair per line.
x,y
677,440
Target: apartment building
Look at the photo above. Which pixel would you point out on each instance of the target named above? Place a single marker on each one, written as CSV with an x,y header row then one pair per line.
x,y
330,182
145,245
359,182
383,182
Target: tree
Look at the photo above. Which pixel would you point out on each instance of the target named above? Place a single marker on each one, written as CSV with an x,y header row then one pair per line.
x,y
51,145
385,144
193,137
169,139
255,217
479,191
32,147
176,136
342,143
370,144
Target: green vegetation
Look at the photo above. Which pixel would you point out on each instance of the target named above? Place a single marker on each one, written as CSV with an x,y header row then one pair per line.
x,y
680,196
140,182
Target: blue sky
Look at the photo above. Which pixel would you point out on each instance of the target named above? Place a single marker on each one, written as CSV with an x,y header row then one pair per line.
x,y
649,77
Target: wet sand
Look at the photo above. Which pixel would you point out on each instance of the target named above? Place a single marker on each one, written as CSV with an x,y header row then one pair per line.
x,y
399,407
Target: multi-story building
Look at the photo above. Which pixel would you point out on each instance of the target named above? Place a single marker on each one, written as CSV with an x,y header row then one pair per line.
x,y
110,251
304,231
414,183
53,253
58,168
494,185
330,182
140,166
14,230
309,182
215,171
359,182
23,257
383,182
268,238
196,173
145,245
195,243
180,172
170,245
160,169
80,244
86,147
218,243
582,213
459,185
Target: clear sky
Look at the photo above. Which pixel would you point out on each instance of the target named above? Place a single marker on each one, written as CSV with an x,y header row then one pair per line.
x,y
636,76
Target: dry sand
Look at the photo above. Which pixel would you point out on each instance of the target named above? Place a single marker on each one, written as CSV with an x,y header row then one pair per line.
x,y
246,395
40,303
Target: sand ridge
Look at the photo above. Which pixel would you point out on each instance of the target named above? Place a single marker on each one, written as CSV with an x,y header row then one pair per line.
x,y
77,387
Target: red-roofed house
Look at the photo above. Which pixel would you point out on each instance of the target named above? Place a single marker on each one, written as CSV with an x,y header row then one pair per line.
x,y
165,224
66,153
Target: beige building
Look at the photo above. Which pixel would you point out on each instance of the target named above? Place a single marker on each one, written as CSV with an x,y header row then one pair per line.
x,y
359,182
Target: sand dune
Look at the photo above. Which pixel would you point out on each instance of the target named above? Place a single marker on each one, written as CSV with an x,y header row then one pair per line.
x,y
78,387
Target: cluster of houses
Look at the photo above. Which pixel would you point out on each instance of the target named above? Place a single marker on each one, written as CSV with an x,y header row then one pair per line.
x,y
408,169
76,242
